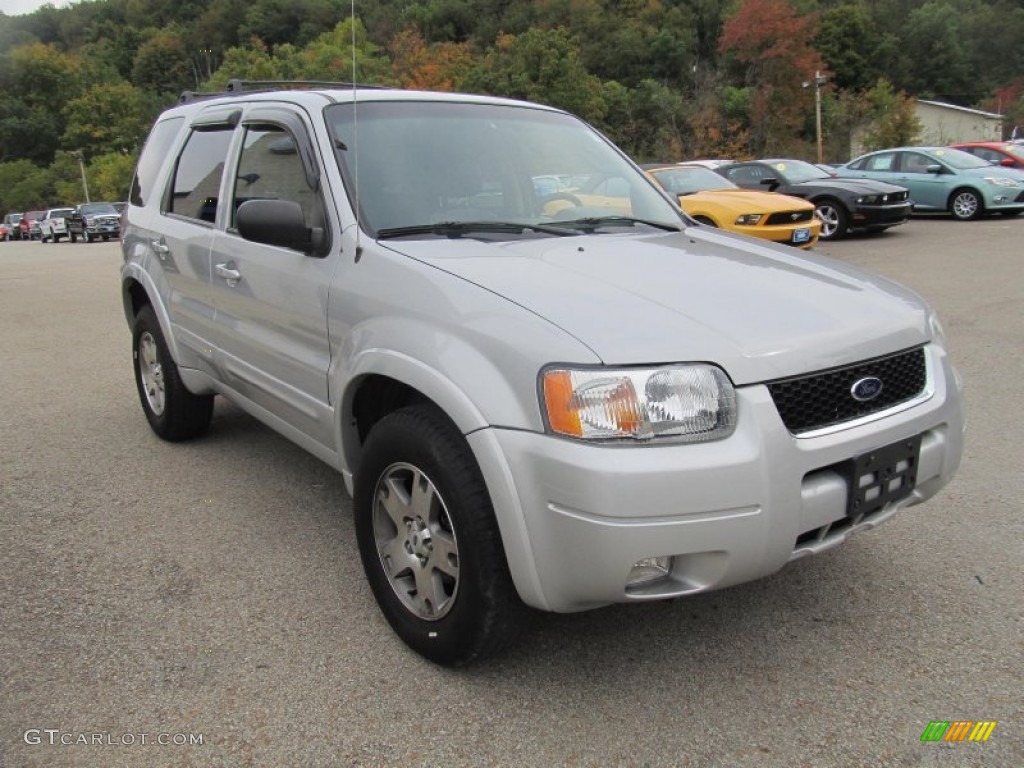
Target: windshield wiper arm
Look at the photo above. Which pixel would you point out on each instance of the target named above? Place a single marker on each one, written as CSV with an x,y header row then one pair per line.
x,y
460,228
594,222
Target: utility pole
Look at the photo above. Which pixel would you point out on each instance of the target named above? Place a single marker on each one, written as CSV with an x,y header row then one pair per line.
x,y
819,80
81,166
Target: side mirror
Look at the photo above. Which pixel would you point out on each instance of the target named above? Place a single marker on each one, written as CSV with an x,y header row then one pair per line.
x,y
771,182
936,169
1009,163
279,222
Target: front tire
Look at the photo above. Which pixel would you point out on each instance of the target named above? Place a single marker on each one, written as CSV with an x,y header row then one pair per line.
x,y
966,205
429,540
835,221
174,413
88,237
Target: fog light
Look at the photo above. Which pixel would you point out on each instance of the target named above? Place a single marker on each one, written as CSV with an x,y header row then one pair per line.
x,y
649,570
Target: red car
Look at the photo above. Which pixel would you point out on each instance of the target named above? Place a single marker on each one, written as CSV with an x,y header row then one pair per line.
x,y
29,225
1002,153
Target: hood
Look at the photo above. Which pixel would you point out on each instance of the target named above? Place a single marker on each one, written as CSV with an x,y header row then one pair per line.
x,y
857,186
759,311
740,201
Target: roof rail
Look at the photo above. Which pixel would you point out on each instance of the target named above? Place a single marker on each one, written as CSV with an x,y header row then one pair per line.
x,y
237,86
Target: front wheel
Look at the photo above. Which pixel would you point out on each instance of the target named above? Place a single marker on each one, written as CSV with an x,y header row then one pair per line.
x,y
172,411
429,540
73,237
965,205
88,237
834,220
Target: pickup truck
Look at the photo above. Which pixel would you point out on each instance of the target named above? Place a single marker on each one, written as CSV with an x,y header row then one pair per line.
x,y
92,221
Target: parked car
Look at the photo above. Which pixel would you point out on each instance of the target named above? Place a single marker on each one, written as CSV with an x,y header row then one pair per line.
x,y
714,200
28,226
842,204
1003,153
93,221
11,229
944,179
53,225
561,410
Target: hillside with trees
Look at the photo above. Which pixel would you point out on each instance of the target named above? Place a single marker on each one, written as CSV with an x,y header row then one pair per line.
x,y
665,79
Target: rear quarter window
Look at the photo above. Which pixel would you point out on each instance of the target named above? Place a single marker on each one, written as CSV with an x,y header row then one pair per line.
x,y
156,150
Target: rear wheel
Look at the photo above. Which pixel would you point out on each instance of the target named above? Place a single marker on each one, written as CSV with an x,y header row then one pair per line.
x,y
834,219
173,412
965,205
429,540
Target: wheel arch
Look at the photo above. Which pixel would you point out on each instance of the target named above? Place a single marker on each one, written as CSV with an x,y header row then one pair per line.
x,y
137,291
389,381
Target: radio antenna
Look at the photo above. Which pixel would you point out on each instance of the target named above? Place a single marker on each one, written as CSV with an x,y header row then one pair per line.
x,y
355,131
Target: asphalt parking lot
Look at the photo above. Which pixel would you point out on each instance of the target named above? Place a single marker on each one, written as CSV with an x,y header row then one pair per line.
x,y
212,592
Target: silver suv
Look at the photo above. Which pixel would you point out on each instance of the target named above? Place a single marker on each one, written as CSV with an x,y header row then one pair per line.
x,y
554,399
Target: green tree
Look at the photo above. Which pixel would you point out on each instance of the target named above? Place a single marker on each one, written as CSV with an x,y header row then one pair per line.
x,y
164,64
108,118
542,66
893,118
110,176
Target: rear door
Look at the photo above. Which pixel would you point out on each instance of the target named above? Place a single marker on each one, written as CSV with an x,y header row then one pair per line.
x,y
271,301
188,211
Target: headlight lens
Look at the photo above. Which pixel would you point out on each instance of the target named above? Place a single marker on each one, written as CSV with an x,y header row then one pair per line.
x,y
868,200
690,403
1001,181
748,218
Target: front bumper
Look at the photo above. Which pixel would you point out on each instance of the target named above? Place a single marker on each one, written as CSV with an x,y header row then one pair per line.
x,y
881,215
783,233
576,517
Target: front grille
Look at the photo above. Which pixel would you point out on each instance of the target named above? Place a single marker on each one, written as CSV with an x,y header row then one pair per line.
x,y
789,217
825,398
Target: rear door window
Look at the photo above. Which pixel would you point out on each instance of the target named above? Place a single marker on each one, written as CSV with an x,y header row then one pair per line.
x,y
197,175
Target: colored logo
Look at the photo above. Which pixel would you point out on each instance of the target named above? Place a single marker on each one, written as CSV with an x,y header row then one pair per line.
x,y
866,389
958,730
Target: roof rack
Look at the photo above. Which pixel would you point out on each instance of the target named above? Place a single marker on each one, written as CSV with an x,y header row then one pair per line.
x,y
237,86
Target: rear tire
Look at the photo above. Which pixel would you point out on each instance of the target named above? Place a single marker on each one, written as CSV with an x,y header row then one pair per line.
x,y
429,540
174,413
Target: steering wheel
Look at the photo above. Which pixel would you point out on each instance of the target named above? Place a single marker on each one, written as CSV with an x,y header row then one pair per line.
x,y
542,203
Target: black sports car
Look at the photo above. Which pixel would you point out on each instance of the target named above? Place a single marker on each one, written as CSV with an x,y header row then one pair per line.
x,y
842,204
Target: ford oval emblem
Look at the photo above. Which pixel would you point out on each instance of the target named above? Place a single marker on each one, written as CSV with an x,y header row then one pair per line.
x,y
866,389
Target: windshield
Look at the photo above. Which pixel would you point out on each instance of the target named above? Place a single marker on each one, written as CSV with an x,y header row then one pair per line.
x,y
797,171
687,180
1015,149
98,208
59,212
426,163
957,158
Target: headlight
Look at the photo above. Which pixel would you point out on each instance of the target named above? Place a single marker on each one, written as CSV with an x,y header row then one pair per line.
x,y
89,221
867,200
748,218
1001,181
690,403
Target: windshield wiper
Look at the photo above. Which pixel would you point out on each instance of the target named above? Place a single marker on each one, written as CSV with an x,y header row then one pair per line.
x,y
460,228
592,223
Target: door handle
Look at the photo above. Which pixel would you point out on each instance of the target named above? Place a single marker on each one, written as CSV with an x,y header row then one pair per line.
x,y
160,248
228,273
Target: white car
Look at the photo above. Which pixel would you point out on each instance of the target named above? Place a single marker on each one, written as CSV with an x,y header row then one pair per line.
x,y
52,226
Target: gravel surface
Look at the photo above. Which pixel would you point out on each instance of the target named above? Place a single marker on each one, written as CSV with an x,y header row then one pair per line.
x,y
212,591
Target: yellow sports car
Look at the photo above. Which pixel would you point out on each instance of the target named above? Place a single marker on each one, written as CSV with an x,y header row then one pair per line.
x,y
714,200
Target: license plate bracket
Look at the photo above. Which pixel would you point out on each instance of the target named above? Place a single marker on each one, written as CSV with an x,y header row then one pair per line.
x,y
882,476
